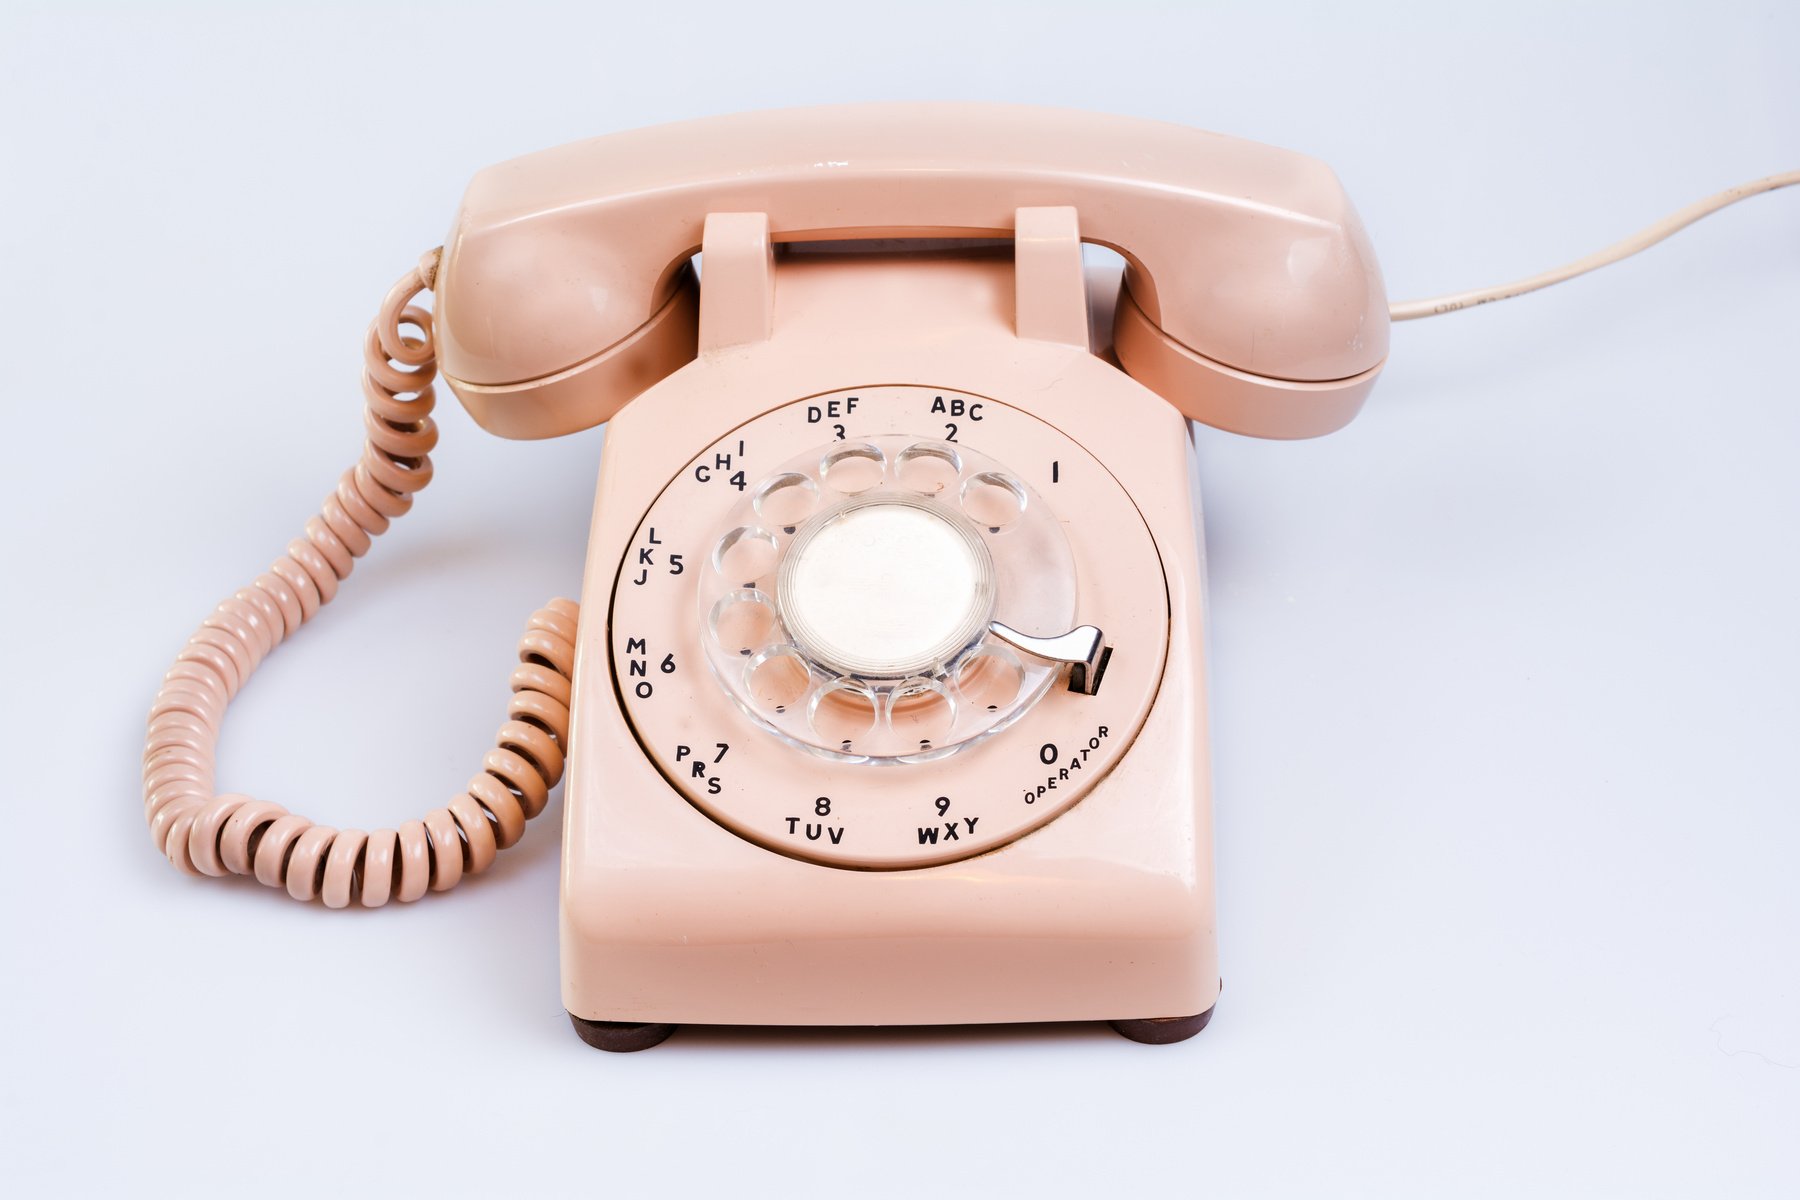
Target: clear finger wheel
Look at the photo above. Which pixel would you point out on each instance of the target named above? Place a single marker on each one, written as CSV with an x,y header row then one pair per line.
x,y
848,604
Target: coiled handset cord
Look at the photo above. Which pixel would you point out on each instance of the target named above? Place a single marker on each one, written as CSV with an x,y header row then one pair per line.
x,y
230,834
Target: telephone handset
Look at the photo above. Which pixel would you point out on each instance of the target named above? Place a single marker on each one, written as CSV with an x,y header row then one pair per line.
x,y
886,703
1251,300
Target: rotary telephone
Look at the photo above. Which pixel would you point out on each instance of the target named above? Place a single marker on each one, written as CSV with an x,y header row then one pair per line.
x,y
886,703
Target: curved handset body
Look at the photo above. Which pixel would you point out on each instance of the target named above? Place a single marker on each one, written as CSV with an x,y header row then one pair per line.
x,y
1251,297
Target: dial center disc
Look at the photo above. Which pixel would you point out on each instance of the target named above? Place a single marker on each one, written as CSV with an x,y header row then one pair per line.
x,y
885,588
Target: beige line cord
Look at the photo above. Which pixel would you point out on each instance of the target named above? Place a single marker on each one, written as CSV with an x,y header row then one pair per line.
x,y
1643,239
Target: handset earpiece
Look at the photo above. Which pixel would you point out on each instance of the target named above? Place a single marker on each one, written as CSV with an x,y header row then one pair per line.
x,y
492,375
1284,400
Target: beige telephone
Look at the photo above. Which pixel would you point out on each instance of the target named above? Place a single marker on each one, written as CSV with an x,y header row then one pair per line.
x,y
886,705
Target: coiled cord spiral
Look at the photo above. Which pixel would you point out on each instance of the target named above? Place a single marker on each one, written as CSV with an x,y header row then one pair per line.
x,y
207,834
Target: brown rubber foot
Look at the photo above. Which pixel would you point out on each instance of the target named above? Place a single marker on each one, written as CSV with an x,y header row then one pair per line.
x,y
1162,1031
620,1037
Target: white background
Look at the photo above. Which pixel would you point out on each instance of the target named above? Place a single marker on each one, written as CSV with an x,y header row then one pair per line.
x,y
1505,701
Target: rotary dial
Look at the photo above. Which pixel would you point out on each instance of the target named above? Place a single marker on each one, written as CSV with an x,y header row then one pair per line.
x,y
847,629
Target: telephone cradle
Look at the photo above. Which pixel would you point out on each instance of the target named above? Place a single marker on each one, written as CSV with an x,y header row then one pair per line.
x,y
885,702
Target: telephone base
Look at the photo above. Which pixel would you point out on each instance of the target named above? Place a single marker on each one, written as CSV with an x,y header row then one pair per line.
x,y
1093,900
620,1037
